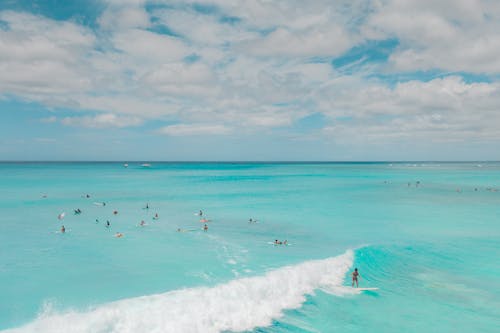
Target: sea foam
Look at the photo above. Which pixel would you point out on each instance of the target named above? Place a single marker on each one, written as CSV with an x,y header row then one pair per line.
x,y
237,305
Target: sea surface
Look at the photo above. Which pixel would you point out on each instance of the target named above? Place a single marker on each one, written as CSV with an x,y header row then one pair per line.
x,y
426,234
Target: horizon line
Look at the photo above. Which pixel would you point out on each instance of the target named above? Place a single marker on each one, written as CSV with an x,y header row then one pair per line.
x,y
250,161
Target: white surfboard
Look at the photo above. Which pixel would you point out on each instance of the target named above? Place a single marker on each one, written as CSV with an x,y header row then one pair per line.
x,y
366,289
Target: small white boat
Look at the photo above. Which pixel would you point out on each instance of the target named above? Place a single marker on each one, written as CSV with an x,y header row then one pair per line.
x,y
146,165
125,165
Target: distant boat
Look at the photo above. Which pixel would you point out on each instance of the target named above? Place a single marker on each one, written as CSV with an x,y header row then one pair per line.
x,y
125,165
146,165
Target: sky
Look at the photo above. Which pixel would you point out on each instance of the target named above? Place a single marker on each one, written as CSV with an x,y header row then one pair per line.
x,y
260,80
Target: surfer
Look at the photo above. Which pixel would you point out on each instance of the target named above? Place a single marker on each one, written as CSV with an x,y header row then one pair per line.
x,y
63,229
355,276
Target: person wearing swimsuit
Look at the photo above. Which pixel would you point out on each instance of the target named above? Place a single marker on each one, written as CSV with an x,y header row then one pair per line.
x,y
355,276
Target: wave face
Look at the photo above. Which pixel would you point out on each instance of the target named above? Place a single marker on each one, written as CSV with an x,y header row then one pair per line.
x,y
238,305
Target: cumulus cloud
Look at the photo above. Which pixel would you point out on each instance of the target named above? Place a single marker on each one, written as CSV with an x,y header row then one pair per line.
x,y
449,35
326,41
439,110
251,65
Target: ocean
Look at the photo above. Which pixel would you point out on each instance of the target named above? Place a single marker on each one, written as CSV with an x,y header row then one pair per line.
x,y
426,234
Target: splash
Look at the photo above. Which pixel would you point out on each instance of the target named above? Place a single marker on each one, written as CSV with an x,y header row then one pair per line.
x,y
237,305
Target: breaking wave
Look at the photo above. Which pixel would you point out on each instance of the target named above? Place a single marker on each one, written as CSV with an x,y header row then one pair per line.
x,y
237,305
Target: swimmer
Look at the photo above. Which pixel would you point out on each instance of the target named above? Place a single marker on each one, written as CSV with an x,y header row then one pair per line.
x,y
277,242
115,212
44,196
118,235
142,224
179,230
200,213
96,220
355,276
285,242
156,217
147,206
205,228
63,229
108,224
103,203
87,196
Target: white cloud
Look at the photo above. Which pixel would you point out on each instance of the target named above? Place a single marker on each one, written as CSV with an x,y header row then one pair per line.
x,y
439,110
449,35
194,129
257,72
145,46
102,121
327,41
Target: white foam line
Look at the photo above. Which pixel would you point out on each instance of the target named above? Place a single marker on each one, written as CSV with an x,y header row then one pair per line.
x,y
238,305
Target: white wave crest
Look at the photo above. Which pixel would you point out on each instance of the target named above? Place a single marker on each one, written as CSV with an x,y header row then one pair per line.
x,y
238,305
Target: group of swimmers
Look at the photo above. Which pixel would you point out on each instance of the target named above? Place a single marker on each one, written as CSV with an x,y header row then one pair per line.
x,y
278,242
78,211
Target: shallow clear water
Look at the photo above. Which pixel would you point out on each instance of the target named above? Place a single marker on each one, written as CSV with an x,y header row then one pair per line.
x,y
432,250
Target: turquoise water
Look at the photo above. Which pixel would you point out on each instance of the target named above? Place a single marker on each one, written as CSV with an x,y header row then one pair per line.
x,y
433,250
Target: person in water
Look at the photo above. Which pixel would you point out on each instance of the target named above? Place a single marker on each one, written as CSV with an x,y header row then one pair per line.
x,y
156,217
108,224
118,235
355,276
63,229
205,228
200,213
142,223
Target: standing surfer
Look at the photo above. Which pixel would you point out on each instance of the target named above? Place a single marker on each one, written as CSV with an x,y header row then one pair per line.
x,y
355,276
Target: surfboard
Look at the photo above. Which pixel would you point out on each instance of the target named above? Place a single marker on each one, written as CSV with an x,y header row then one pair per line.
x,y
366,289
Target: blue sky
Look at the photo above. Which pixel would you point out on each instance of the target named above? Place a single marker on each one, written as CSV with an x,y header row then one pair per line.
x,y
249,80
